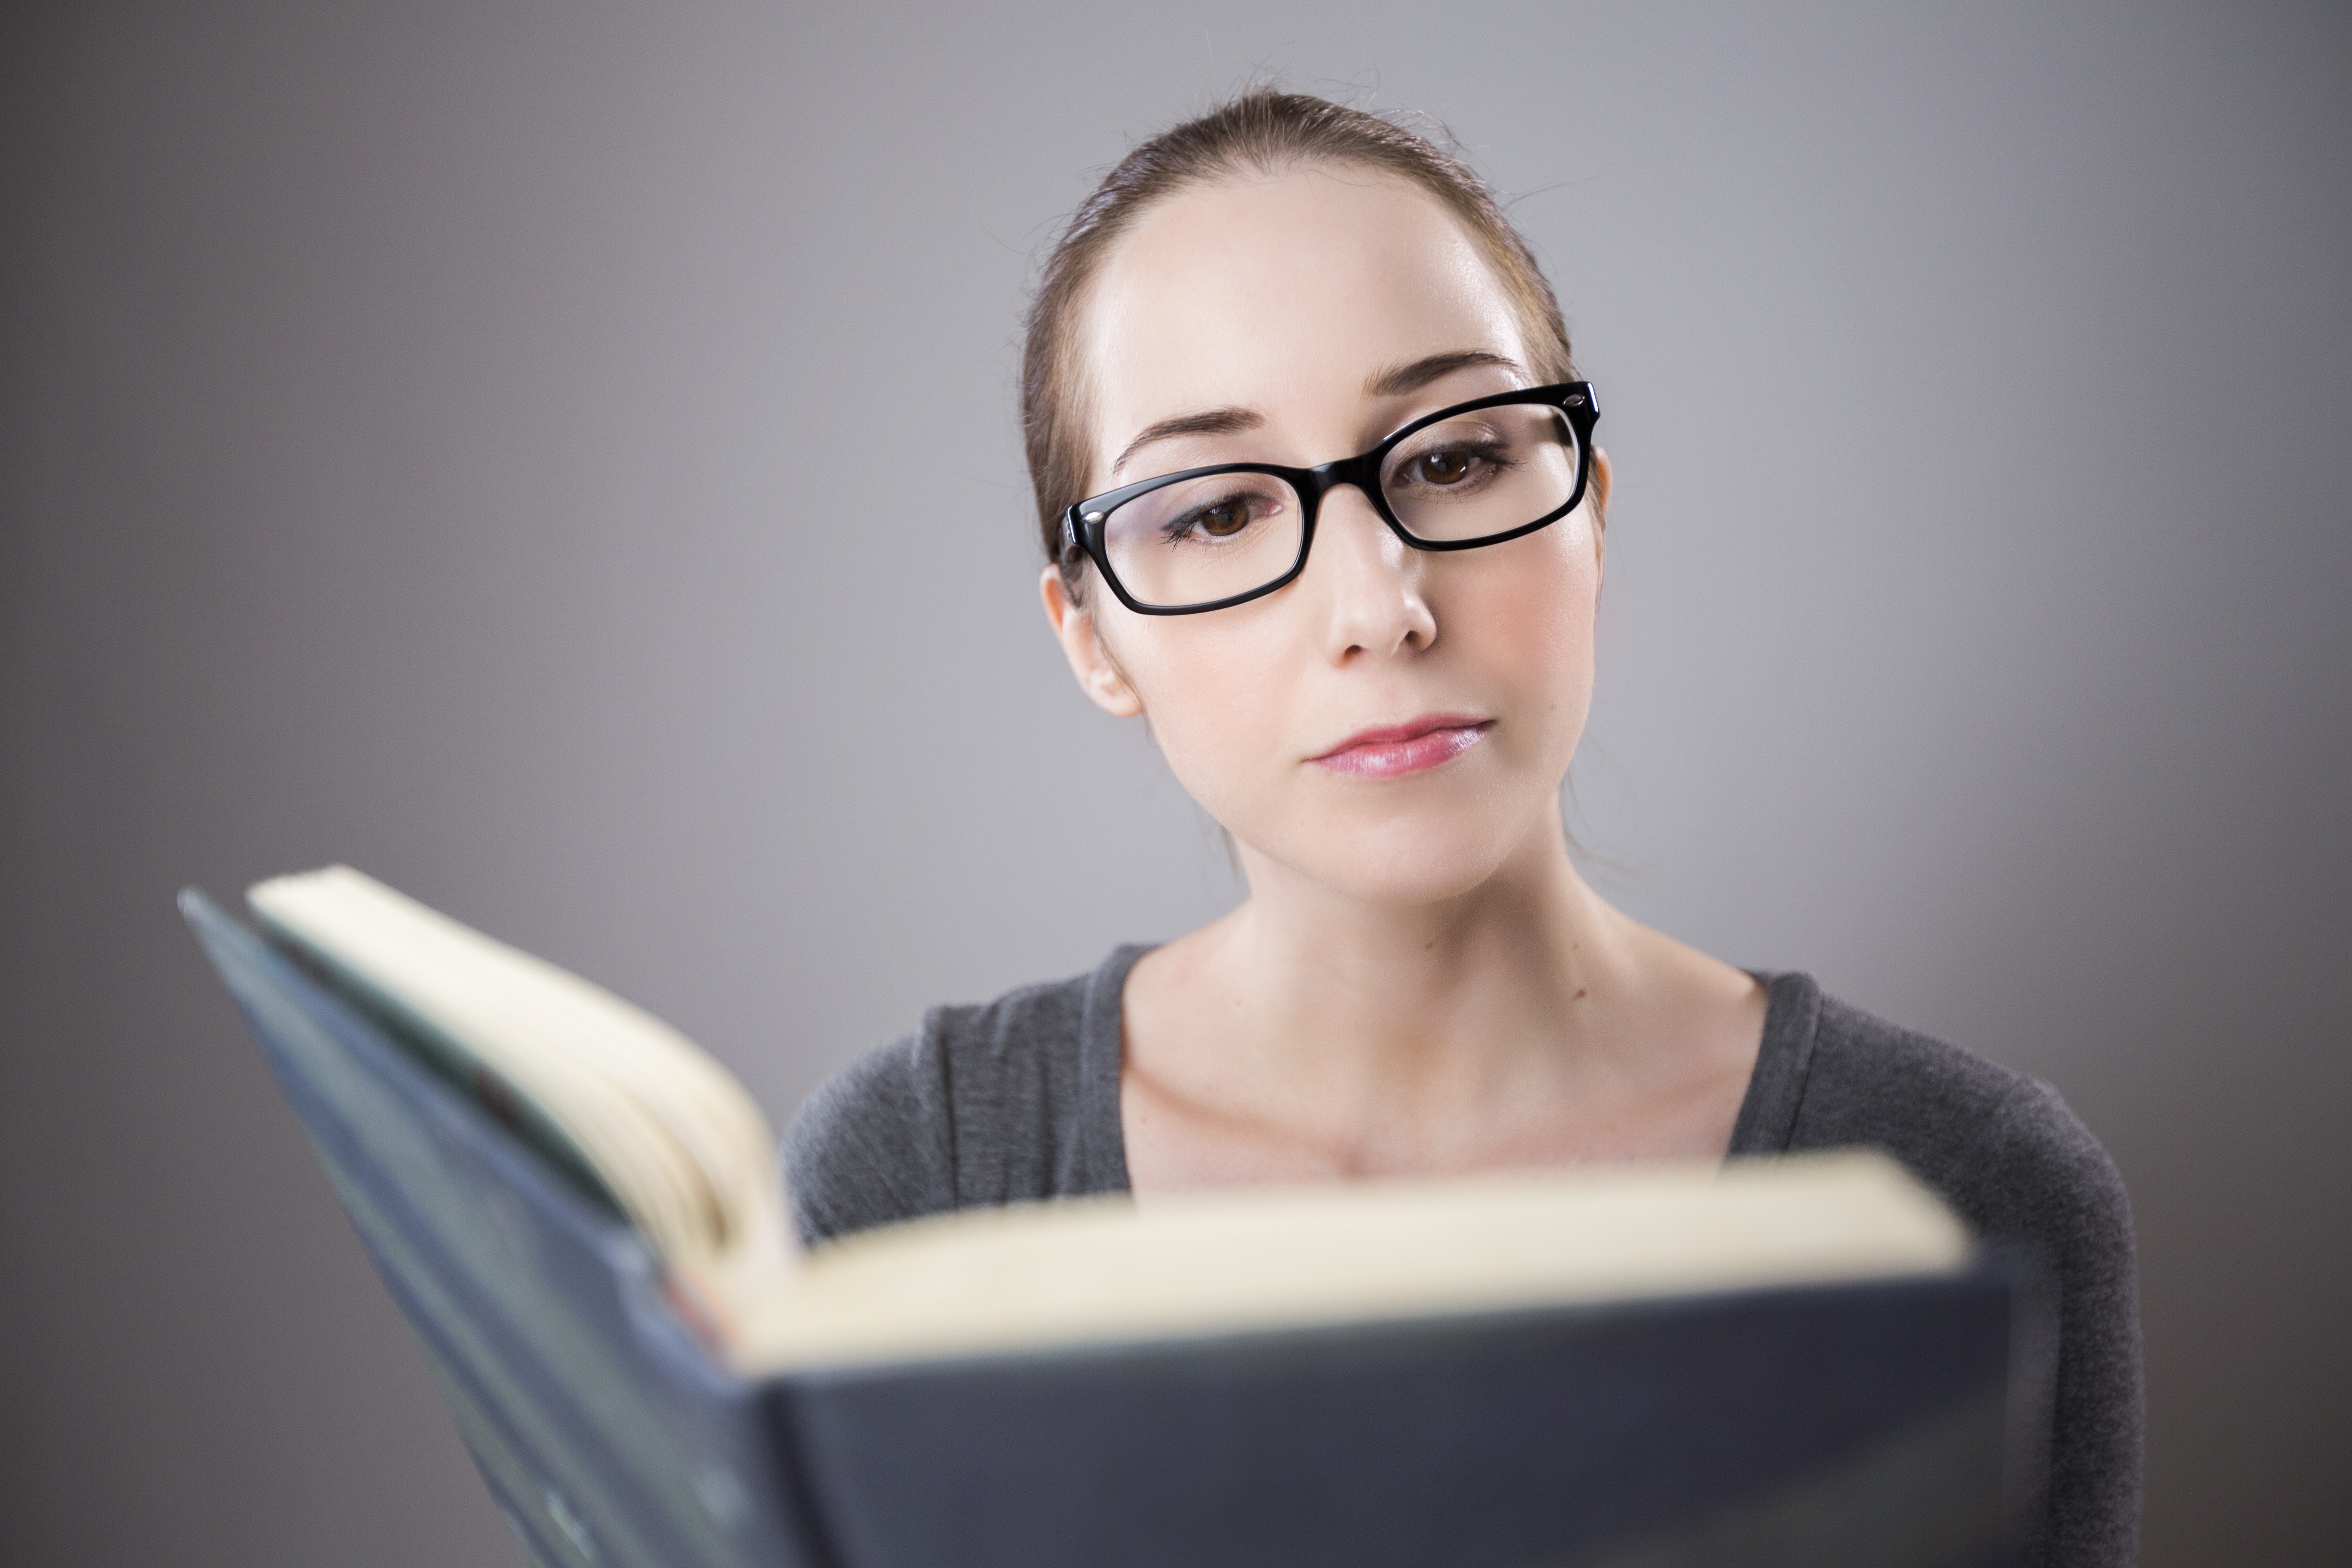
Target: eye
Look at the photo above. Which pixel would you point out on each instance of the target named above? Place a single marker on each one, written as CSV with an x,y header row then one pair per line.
x,y
1446,466
1457,462
1222,519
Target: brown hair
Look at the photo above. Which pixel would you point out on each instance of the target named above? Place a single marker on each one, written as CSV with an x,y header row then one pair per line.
x,y
1261,131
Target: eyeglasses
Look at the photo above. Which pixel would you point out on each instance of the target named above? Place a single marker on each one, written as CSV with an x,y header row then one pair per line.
x,y
1477,473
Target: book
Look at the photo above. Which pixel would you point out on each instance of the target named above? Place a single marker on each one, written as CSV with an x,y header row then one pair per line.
x,y
581,1216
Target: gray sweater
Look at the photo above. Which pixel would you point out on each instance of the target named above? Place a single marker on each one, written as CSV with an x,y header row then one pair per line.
x,y
1017,1100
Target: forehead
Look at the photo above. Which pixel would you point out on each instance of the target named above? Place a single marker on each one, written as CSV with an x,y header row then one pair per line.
x,y
1283,294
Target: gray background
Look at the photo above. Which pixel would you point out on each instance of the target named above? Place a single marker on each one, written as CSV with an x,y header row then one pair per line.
x,y
558,457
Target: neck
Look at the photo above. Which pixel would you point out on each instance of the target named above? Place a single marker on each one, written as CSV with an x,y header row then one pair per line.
x,y
1523,1022
1449,999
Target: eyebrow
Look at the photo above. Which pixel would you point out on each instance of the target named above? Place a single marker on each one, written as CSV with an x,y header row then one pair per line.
x,y
1393,382
1398,380
1208,422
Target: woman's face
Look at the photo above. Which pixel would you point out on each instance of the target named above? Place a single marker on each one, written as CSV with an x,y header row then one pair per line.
x,y
1307,316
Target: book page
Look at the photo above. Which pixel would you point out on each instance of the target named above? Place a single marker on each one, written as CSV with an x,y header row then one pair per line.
x,y
1102,1270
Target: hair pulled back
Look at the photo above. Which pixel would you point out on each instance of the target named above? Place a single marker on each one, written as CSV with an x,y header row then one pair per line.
x,y
1261,132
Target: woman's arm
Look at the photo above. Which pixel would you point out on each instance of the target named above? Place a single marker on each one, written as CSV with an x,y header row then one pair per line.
x,y
2017,1165
2049,1185
875,1143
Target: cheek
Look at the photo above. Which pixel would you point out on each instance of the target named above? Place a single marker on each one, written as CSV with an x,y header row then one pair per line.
x,y
1220,692
1521,615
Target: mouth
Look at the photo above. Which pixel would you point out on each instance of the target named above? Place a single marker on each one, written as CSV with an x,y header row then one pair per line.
x,y
1429,742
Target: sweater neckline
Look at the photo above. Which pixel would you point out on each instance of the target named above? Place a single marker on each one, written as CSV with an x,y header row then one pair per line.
x,y
1766,1122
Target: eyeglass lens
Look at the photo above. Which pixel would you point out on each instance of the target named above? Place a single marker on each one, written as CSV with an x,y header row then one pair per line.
x,y
1477,475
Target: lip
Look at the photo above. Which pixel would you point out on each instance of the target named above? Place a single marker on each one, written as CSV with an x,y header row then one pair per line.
x,y
1392,751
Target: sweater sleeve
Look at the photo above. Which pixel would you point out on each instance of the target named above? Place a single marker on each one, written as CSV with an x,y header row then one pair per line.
x,y
2014,1162
1009,1102
876,1143
2050,1187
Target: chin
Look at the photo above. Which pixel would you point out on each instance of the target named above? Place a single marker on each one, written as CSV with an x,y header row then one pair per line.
x,y
1404,860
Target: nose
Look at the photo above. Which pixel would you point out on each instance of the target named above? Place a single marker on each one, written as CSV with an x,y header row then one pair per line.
x,y
1370,582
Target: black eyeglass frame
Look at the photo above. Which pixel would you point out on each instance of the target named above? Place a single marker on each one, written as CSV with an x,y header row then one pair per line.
x,y
1084,525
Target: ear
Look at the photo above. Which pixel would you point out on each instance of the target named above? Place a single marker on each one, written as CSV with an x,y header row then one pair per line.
x,y
1599,486
1098,677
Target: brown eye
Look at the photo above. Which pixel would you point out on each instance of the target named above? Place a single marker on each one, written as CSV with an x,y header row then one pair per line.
x,y
1225,518
1443,468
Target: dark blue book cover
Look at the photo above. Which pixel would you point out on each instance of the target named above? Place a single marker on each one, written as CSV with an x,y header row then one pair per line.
x,y
1854,1423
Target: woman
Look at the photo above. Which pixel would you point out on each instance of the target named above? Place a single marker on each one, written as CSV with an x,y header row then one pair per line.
x,y
1320,500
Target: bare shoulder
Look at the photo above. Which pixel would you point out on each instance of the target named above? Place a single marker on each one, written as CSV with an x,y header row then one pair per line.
x,y
1714,1011
1170,988
1188,1118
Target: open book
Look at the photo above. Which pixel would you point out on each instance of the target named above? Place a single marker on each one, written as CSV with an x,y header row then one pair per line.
x,y
638,1113
1102,1381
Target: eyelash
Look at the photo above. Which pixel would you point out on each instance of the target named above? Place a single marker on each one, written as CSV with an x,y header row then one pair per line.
x,y
1484,454
1185,527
